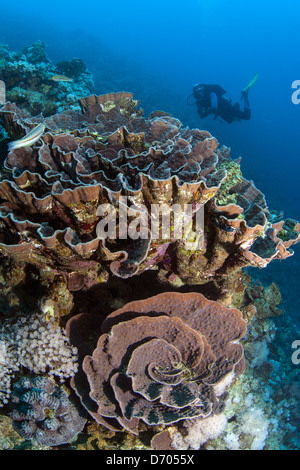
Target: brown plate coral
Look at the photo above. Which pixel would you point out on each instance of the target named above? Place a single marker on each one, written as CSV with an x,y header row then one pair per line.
x,y
59,196
107,193
158,360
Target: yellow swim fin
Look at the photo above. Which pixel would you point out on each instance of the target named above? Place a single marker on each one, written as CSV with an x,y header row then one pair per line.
x,y
250,84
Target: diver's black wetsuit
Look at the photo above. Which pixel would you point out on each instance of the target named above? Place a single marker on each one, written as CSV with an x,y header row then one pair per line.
x,y
210,100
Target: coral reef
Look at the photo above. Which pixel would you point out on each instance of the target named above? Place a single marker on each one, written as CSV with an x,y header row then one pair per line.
x,y
36,53
264,299
36,344
28,78
156,359
160,361
262,409
73,68
81,202
42,411
9,438
195,433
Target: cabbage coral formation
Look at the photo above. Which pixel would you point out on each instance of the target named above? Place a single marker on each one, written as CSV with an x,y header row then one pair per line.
x,y
159,360
51,193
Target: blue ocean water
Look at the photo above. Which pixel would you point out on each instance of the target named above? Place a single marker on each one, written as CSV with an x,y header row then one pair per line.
x,y
158,50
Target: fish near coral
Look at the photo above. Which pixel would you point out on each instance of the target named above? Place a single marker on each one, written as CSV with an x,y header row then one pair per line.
x,y
62,78
29,139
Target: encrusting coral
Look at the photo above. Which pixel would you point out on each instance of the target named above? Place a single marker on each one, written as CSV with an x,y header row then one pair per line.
x,y
111,156
42,411
160,360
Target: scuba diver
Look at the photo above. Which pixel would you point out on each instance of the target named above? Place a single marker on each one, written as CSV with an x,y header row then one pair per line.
x,y
210,100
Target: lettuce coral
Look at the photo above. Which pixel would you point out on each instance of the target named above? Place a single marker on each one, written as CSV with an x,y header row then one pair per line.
x,y
161,360
51,194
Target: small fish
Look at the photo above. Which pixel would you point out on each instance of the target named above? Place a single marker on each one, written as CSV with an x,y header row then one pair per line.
x,y
28,139
62,78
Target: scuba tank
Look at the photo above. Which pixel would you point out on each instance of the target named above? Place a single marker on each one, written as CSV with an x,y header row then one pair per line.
x,y
201,93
